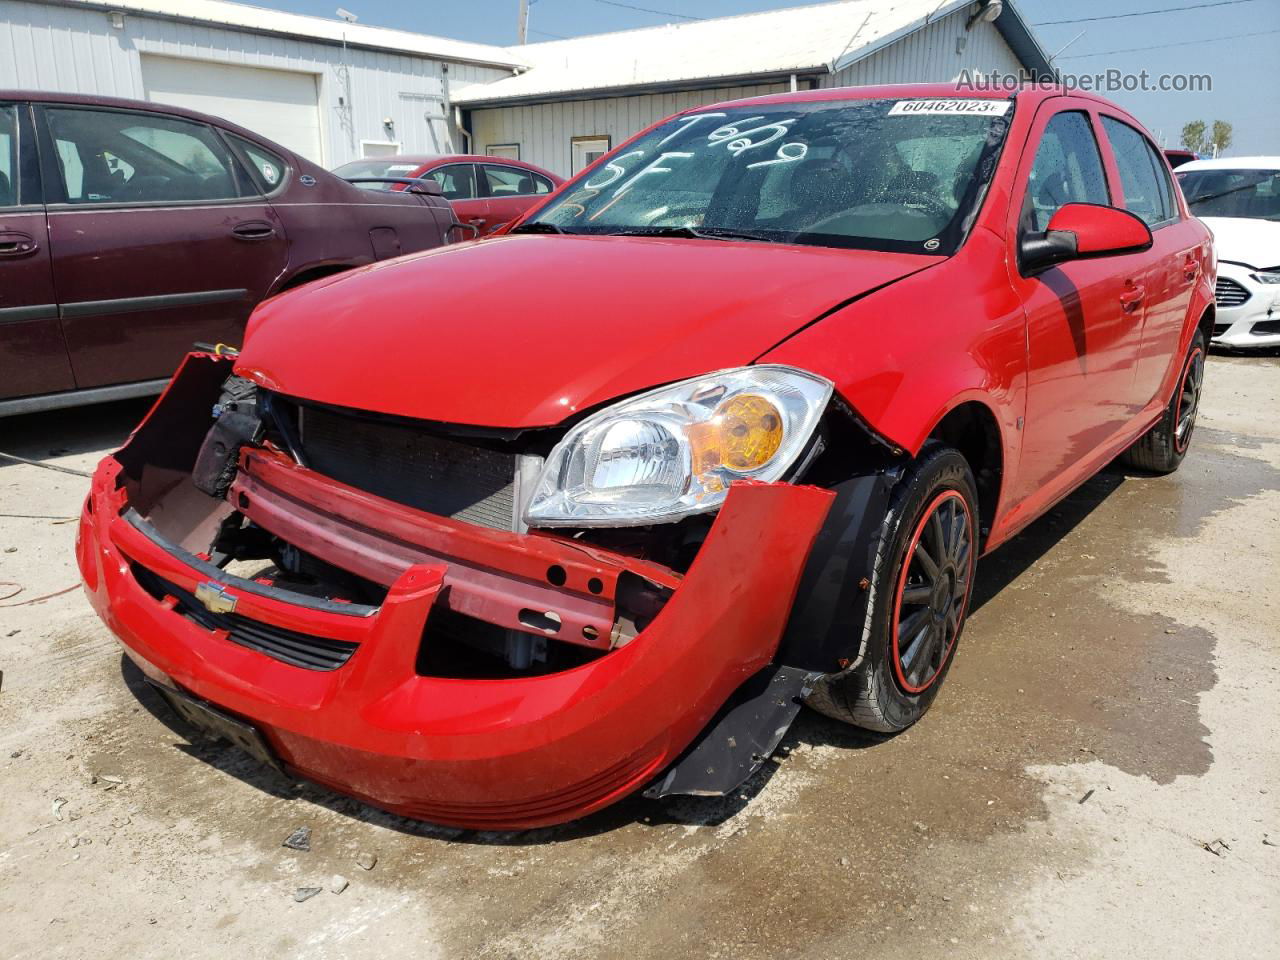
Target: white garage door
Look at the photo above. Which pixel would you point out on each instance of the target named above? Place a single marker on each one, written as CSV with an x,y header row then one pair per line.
x,y
278,104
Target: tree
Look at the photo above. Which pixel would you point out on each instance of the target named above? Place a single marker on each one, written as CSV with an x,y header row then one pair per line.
x,y
1221,136
1193,136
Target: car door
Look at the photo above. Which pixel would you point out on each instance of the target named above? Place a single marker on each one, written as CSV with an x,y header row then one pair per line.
x,y
461,189
1084,317
1146,190
33,357
159,239
511,191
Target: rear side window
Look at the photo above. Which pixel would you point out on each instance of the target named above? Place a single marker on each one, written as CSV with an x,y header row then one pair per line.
x,y
115,157
267,168
1143,178
1067,169
8,156
510,181
458,181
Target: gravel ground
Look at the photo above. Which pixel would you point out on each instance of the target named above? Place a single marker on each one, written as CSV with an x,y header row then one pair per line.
x,y
1100,777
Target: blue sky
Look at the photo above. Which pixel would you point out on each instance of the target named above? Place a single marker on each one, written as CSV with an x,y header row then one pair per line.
x,y
1245,69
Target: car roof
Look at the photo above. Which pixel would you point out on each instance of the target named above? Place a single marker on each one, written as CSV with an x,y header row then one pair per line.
x,y
81,99
1232,163
1034,93
431,159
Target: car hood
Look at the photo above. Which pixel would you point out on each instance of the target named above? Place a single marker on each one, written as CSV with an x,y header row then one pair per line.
x,y
1255,243
524,331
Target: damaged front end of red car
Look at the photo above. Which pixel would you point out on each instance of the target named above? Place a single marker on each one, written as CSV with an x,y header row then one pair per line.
x,y
278,578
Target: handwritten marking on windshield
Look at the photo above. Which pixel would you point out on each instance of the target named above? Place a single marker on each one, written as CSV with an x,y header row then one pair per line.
x,y
686,123
613,169
787,153
737,140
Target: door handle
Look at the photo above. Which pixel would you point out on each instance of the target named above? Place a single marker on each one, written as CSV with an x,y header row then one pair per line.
x,y
1190,268
476,220
253,230
1131,299
14,245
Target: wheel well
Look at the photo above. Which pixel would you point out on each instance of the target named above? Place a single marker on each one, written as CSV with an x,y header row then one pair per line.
x,y
1206,322
314,273
971,428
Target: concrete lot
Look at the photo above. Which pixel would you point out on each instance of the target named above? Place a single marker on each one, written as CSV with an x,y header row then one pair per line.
x,y
1115,709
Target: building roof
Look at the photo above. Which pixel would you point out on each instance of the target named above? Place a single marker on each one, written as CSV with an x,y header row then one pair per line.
x,y
821,38
261,20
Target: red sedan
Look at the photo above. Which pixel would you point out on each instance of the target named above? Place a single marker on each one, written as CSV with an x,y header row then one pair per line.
x,y
486,192
731,418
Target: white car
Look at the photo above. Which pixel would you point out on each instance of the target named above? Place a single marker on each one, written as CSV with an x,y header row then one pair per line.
x,y
1238,198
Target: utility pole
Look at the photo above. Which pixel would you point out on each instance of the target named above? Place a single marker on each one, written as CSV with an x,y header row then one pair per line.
x,y
522,27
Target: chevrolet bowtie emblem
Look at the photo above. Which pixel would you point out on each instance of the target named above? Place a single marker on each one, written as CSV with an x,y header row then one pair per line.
x,y
215,598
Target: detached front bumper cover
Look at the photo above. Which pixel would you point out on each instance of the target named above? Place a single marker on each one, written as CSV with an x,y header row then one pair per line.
x,y
490,754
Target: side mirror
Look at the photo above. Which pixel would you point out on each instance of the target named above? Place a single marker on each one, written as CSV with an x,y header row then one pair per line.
x,y
427,185
1080,231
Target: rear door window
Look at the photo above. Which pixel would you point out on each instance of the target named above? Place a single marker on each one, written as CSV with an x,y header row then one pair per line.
x,y
120,157
509,181
8,156
1143,177
457,180
268,169
1067,169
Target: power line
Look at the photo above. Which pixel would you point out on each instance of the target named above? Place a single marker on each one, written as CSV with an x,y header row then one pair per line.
x,y
1143,13
1162,46
659,13
544,33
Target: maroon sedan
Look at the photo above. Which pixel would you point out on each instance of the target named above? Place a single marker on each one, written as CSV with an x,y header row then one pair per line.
x,y
128,231
486,192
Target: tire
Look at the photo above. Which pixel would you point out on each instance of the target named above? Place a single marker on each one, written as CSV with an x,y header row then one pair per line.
x,y
1162,448
894,684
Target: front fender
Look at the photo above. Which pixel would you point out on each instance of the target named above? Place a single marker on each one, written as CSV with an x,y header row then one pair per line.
x,y
908,354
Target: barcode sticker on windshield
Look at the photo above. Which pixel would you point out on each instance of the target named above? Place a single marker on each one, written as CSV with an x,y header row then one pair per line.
x,y
981,108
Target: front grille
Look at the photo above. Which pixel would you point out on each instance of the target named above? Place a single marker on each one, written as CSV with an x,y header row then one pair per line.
x,y
1266,327
288,646
403,463
1230,293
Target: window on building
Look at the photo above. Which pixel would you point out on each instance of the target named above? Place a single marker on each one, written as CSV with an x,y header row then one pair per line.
x,y
457,180
1143,178
117,157
379,148
587,150
1067,169
8,156
507,151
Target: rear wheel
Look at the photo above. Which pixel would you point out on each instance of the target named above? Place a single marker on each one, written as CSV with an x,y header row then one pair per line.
x,y
1162,448
923,580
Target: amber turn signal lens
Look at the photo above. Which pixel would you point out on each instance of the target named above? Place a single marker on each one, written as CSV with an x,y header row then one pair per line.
x,y
743,435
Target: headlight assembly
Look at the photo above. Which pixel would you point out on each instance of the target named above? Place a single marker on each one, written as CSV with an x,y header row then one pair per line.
x,y
674,451
1267,276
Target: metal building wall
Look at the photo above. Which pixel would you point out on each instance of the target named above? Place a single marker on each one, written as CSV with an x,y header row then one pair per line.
x,y
545,131
931,55
65,49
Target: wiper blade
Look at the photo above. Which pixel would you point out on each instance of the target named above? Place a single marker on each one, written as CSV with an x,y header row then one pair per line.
x,y
537,226
696,233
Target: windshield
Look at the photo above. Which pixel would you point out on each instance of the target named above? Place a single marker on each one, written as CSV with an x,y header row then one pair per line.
x,y
384,167
902,175
1246,194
